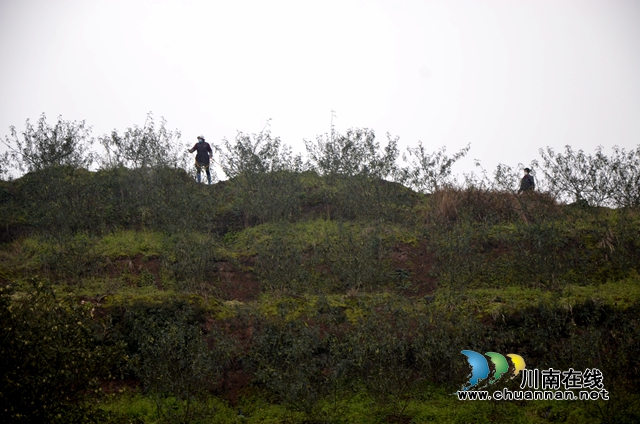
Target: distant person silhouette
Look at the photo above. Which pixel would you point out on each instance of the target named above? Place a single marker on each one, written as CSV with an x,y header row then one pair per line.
x,y
527,183
202,157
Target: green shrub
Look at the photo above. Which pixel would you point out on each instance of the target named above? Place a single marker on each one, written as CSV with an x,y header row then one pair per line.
x,y
280,263
45,146
191,260
384,358
299,365
53,358
172,359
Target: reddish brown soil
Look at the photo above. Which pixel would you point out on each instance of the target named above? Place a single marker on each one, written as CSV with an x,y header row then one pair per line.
x,y
114,386
134,266
231,282
320,210
418,261
236,284
234,383
402,419
151,264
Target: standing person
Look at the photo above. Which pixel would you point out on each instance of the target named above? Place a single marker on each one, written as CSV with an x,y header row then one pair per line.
x,y
527,183
203,156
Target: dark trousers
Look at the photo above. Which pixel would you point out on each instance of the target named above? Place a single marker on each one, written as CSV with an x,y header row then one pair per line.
x,y
199,167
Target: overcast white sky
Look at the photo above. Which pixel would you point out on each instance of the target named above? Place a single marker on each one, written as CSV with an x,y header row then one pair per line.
x,y
507,76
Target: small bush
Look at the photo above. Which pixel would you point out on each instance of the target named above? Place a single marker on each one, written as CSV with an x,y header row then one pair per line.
x,y
172,359
66,143
53,359
296,363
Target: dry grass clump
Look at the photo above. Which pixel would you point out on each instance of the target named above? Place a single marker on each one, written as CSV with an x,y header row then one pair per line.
x,y
450,205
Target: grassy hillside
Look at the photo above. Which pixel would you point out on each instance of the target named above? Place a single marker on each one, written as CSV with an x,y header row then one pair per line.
x,y
294,297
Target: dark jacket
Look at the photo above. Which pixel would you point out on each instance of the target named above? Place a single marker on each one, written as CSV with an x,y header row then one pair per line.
x,y
527,183
202,157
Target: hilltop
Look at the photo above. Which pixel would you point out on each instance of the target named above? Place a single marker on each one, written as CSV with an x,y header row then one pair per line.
x,y
342,289
353,260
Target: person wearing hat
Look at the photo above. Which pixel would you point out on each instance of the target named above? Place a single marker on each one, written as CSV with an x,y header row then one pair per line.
x,y
203,156
527,183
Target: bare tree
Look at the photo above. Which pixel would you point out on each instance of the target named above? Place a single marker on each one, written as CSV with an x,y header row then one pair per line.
x,y
355,153
148,146
43,146
578,176
429,172
266,170
625,170
256,153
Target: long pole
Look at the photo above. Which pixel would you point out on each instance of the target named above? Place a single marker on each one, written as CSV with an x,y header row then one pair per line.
x,y
333,113
265,125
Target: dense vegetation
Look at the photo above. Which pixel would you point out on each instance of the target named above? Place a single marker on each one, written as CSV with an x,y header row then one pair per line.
x,y
339,287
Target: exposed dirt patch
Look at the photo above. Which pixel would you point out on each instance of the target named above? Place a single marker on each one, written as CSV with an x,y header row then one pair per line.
x,y
4,282
402,419
240,329
135,266
151,264
234,382
236,284
114,386
414,263
97,311
320,210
